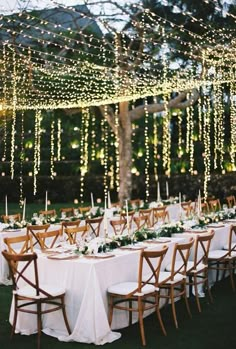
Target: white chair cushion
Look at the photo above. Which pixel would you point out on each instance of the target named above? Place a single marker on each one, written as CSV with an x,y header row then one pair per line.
x,y
165,274
125,288
216,254
226,247
28,291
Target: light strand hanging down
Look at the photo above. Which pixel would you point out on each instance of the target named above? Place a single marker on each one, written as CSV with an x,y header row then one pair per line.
x,y
52,148
207,142
22,158
14,104
147,152
105,160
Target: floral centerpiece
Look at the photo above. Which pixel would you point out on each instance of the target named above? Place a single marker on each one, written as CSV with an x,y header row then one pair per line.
x,y
16,225
168,229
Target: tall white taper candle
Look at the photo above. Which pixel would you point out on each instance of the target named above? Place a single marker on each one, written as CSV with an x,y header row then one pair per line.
x,y
92,201
46,201
6,206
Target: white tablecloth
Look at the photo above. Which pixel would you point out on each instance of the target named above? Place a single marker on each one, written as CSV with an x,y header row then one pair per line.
x,y
86,282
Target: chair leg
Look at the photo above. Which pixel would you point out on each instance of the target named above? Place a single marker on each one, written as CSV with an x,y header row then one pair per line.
x,y
186,300
64,314
231,275
14,319
130,313
140,318
39,322
110,313
159,316
196,294
172,299
208,289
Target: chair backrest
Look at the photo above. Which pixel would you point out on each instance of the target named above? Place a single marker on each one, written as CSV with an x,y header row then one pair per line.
x,y
160,214
181,255
70,224
68,211
150,266
23,241
147,212
16,217
232,243
201,248
48,213
187,207
72,233
141,222
214,205
95,225
18,270
130,215
231,201
84,210
48,239
33,229
135,203
118,225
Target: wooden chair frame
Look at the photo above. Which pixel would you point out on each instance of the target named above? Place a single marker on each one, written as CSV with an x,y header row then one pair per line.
x,y
39,296
95,225
141,222
231,201
26,241
118,223
48,213
69,211
72,232
160,213
147,212
15,216
187,207
198,273
52,235
33,229
226,261
137,296
174,284
214,205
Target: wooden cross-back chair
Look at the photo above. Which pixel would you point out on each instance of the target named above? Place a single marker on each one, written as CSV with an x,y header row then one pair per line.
x,y
225,259
48,213
27,292
173,279
84,210
95,225
187,207
148,213
197,270
141,295
231,202
49,239
141,222
32,230
118,225
214,205
73,232
130,216
135,203
16,217
68,211
160,214
19,244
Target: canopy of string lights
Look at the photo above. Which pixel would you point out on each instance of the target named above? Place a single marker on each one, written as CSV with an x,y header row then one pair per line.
x,y
76,57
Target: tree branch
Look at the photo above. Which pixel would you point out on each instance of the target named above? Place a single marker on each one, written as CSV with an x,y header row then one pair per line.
x,y
178,102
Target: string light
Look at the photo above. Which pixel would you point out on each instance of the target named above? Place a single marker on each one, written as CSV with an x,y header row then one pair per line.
x,y
233,124
105,160
14,103
22,158
207,142
147,152
59,139
52,148
155,142
117,153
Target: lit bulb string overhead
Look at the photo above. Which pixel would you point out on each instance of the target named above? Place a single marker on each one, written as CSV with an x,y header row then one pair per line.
x,y
67,98
92,73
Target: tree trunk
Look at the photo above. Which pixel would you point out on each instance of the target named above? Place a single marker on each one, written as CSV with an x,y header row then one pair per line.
x,y
125,152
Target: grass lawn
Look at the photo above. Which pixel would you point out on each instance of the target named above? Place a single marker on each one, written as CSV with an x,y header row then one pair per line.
x,y
213,328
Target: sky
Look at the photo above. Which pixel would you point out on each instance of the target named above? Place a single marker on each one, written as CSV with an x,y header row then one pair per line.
x,y
10,6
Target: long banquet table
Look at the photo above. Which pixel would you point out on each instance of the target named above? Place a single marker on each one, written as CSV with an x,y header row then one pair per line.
x,y
86,282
